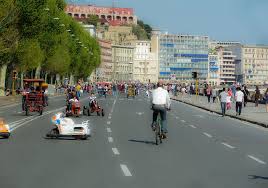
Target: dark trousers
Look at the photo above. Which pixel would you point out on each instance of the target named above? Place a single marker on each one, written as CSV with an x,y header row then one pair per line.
x,y
223,108
163,114
213,99
209,96
238,107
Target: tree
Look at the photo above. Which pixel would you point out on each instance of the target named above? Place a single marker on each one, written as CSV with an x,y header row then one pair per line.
x,y
92,20
139,32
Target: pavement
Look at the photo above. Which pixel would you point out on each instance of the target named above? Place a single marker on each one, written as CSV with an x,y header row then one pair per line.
x,y
250,113
203,150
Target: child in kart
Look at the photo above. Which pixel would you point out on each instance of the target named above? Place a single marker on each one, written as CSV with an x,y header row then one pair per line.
x,y
92,101
74,102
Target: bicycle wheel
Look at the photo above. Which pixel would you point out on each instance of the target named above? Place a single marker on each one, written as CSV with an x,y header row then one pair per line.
x,y
157,132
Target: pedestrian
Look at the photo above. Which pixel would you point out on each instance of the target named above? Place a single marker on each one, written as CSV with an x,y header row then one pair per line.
x,y
114,89
208,93
214,94
246,95
266,99
239,98
257,96
223,98
228,100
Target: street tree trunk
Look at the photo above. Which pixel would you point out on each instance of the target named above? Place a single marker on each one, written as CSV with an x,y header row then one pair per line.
x,y
71,81
3,70
37,72
46,77
21,79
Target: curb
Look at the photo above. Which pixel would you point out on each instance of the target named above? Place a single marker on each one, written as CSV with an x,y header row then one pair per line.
x,y
232,116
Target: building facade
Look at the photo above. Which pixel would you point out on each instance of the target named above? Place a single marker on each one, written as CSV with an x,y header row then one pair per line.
x,y
227,66
105,70
122,58
113,15
254,64
145,66
214,70
180,55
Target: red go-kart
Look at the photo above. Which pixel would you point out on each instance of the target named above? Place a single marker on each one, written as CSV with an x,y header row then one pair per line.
x,y
93,107
75,109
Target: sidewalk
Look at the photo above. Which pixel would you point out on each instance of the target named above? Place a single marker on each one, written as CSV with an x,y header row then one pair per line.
x,y
250,113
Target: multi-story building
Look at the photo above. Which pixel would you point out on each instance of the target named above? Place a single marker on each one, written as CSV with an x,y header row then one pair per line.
x,y
145,66
255,64
214,69
227,66
122,58
105,70
113,15
180,55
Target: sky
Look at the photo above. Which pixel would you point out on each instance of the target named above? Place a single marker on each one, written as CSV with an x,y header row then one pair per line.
x,y
245,21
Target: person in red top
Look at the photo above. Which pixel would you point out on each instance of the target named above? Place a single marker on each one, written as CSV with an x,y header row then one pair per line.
x,y
208,91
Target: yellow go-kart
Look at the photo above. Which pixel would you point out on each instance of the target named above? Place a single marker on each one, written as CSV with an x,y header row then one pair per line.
x,y
4,129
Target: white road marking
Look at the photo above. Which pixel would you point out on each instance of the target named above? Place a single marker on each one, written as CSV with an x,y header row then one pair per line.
x,y
109,130
108,122
227,145
125,170
208,135
177,117
194,127
110,114
110,139
109,117
256,159
139,113
115,150
200,116
183,121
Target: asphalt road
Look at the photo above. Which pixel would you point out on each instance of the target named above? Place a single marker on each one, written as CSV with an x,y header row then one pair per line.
x,y
203,150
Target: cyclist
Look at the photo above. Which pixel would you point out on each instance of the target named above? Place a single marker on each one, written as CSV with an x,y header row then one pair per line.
x,y
160,104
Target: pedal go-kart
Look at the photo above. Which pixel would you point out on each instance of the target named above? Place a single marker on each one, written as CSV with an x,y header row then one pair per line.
x,y
131,91
65,127
75,109
93,107
4,129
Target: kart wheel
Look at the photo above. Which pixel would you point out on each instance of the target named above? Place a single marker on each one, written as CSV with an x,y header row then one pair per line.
x,y
102,113
98,113
84,137
40,111
84,110
88,112
6,136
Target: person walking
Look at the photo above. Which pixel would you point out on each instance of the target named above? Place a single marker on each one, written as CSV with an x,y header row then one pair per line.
x,y
214,94
257,96
266,99
208,93
239,98
246,95
228,100
223,98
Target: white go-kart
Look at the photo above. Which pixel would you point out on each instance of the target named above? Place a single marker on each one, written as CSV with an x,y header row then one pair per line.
x,y
65,127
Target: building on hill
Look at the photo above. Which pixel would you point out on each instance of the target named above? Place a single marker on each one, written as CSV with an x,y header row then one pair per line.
x,y
145,67
113,15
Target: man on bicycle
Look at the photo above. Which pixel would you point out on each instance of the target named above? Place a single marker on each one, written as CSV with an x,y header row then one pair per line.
x,y
160,104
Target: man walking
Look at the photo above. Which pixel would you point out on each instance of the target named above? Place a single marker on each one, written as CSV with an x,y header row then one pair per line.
x,y
223,97
239,97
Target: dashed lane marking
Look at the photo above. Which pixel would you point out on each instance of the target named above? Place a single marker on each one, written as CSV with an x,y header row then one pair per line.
x,y
109,117
177,117
208,135
125,170
227,145
115,150
108,122
183,121
194,127
110,139
109,130
256,159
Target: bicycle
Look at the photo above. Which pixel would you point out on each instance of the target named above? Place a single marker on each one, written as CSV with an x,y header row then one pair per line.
x,y
158,130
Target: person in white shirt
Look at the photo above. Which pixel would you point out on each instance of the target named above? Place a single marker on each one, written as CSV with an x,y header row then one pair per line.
x,y
160,104
239,98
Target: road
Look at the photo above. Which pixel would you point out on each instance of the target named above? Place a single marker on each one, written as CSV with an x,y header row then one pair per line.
x,y
203,150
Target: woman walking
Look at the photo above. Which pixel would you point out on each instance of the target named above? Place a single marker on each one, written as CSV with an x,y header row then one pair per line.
x,y
266,99
208,93
228,99
257,96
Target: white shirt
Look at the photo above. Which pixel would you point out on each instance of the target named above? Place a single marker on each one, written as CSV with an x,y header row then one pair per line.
x,y
160,96
239,96
223,96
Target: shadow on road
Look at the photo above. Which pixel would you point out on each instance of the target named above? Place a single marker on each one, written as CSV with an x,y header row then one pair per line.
x,y
142,141
254,177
